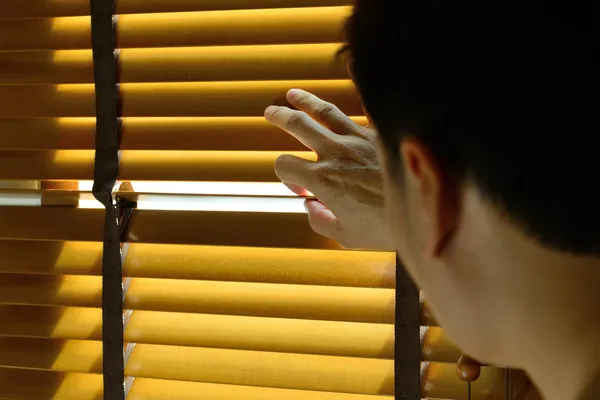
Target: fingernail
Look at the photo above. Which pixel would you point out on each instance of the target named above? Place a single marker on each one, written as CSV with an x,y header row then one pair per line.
x,y
270,110
306,205
292,94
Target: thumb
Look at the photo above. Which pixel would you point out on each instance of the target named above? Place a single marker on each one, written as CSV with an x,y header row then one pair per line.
x,y
321,219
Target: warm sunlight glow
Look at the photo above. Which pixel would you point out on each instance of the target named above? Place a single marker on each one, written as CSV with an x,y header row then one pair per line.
x,y
71,56
204,188
251,52
185,87
208,203
75,88
71,23
76,121
73,156
214,188
220,203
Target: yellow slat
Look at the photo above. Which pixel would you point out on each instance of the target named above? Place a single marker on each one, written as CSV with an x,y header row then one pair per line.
x,y
213,63
441,382
331,303
208,166
242,264
436,346
180,99
61,8
349,339
238,367
74,386
255,229
277,26
147,133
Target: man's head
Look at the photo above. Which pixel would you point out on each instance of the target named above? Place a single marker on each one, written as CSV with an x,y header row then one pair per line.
x,y
486,119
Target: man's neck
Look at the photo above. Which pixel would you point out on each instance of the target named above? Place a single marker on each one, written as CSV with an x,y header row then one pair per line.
x,y
560,348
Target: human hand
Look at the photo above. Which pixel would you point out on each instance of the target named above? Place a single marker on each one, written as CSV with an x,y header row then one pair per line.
x,y
346,180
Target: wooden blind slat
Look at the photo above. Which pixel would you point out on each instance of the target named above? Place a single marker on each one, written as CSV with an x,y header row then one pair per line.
x,y
75,386
222,263
277,26
441,383
286,335
145,165
218,63
62,8
169,227
191,99
148,133
330,303
238,367
436,346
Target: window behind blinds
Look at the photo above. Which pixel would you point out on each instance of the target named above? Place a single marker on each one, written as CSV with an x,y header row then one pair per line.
x,y
229,294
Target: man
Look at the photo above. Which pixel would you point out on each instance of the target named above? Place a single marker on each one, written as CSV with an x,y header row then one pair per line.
x,y
484,119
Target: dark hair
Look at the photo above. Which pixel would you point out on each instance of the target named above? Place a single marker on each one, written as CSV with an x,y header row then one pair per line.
x,y
501,92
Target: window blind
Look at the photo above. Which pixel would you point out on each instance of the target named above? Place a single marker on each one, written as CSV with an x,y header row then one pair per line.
x,y
228,292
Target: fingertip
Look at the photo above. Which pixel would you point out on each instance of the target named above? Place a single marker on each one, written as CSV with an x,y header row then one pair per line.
x,y
292,94
314,205
269,111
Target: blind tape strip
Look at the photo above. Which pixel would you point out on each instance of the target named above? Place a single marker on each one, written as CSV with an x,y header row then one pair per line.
x,y
106,169
407,357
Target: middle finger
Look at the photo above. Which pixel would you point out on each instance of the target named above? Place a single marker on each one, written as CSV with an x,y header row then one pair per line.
x,y
298,124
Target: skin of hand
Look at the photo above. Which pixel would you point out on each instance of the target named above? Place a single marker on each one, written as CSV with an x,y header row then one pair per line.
x,y
346,179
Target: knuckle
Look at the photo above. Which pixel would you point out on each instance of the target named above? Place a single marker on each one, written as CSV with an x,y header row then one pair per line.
x,y
324,172
295,120
281,162
324,110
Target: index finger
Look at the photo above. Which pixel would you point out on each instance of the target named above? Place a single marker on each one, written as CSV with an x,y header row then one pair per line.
x,y
298,124
325,113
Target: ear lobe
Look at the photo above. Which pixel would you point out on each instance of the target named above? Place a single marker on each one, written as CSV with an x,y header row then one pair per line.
x,y
435,193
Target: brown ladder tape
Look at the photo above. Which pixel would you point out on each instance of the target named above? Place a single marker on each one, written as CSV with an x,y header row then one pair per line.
x,y
105,175
407,365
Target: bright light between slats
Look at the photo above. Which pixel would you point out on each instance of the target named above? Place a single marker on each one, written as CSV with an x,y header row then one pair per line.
x,y
216,188
21,199
205,188
209,203
220,203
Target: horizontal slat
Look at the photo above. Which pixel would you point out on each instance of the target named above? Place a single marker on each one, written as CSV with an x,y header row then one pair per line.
x,y
238,367
61,8
189,99
349,339
331,303
74,386
436,346
215,63
440,381
215,166
254,229
147,133
236,27
242,264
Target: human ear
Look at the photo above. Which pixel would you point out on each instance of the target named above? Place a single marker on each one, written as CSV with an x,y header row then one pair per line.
x,y
434,193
